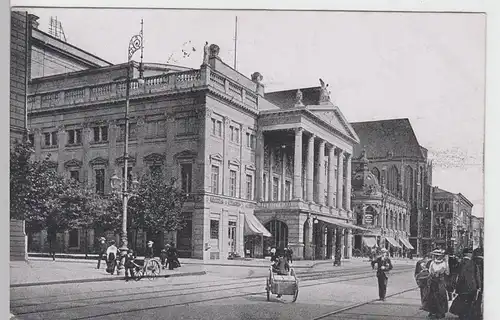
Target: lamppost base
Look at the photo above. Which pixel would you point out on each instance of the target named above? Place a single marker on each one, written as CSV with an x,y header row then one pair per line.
x,y
121,264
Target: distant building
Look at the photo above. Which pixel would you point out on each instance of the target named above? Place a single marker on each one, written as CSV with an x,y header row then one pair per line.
x,y
453,214
398,160
261,169
477,232
386,216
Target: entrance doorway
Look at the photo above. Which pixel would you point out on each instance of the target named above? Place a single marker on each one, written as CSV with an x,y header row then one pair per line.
x,y
232,236
184,235
279,232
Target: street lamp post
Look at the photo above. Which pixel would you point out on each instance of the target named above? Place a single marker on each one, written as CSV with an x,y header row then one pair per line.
x,y
135,44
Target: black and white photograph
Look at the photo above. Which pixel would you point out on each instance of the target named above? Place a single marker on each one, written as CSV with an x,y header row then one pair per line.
x,y
246,164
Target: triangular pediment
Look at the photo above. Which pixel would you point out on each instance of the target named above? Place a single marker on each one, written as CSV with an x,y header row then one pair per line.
x,y
331,115
99,161
154,158
73,163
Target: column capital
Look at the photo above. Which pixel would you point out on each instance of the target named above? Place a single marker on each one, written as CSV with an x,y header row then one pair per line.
x,y
298,131
322,143
312,136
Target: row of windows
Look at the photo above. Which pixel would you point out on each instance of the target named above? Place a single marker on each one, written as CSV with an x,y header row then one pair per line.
x,y
234,134
439,208
214,229
233,180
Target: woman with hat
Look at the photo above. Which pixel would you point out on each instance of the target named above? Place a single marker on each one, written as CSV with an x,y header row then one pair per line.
x,y
384,265
149,250
437,299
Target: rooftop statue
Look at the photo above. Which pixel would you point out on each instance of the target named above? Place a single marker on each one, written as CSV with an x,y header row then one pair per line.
x,y
324,95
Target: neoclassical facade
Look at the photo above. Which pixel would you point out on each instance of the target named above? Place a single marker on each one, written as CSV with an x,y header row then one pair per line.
x,y
386,216
260,170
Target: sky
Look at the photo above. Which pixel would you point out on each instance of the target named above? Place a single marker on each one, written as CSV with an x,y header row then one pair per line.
x,y
427,67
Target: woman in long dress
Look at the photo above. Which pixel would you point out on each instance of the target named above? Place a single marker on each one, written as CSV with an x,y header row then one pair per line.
x,y
437,296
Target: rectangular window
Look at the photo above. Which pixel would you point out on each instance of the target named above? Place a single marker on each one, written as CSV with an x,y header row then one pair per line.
x,y
231,132
99,181
232,183
73,239
248,140
100,134
275,188
236,135
132,132
50,139
215,179
249,187
214,229
253,143
287,190
186,125
186,174
74,136
75,175
264,187
219,128
214,126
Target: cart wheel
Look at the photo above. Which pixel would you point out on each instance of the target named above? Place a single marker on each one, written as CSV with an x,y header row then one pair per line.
x,y
268,289
296,293
152,269
138,275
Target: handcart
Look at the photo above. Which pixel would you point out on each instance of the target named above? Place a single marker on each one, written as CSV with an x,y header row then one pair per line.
x,y
282,284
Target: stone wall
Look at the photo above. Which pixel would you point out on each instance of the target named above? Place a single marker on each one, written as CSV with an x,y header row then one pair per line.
x,y
18,240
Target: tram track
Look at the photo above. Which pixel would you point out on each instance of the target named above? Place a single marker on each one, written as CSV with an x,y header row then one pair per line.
x,y
249,283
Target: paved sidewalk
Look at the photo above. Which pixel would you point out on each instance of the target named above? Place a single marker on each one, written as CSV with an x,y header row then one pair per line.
x,y
43,272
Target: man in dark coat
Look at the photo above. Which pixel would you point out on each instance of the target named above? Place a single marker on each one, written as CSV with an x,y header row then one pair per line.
x,y
102,251
450,279
467,286
384,265
477,257
172,257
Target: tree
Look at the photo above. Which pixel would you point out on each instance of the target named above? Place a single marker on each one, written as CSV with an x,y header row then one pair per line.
x,y
158,205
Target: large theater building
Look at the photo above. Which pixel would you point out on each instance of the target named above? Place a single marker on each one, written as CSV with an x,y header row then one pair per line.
x,y
261,170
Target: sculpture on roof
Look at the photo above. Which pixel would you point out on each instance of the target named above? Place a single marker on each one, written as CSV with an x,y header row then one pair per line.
x,y
324,95
214,51
206,53
257,77
298,98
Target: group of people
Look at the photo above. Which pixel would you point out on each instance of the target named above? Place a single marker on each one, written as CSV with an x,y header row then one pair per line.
x,y
286,253
441,276
110,254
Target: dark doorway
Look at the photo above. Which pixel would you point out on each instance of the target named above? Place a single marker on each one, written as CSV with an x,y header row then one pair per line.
x,y
279,232
184,239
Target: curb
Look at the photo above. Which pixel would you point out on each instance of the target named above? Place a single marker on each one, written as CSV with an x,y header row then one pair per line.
x,y
32,284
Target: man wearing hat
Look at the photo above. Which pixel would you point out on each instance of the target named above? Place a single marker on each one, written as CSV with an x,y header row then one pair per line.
x,y
467,287
149,250
384,265
450,279
102,251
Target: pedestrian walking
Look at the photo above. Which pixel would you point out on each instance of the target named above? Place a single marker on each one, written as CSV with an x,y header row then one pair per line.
x,y
130,265
477,257
450,279
111,256
289,254
467,287
172,257
436,302
384,266
421,277
102,251
273,254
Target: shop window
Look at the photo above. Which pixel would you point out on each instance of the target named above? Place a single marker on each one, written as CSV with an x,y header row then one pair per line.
x,y
214,229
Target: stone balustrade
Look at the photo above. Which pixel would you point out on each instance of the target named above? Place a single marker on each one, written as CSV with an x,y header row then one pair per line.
x,y
301,205
154,84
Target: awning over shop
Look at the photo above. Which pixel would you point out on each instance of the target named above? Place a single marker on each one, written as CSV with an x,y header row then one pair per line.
x,y
370,242
393,242
340,223
406,243
254,227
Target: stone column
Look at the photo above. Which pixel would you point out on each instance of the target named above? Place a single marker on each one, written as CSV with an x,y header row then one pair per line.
x,y
259,159
349,243
270,178
340,179
86,138
297,165
225,164
309,240
321,173
348,183
283,174
331,175
310,168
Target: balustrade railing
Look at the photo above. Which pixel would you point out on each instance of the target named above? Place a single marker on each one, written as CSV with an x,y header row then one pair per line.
x,y
117,89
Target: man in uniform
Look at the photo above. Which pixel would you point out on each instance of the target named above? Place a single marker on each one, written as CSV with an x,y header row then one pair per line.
x,y
384,265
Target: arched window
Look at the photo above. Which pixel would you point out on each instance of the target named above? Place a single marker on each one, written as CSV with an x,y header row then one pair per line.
x,y
376,173
446,207
279,232
408,183
440,207
393,180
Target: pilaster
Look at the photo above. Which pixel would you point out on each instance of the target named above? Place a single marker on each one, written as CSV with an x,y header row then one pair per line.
x,y
310,168
340,179
297,165
321,173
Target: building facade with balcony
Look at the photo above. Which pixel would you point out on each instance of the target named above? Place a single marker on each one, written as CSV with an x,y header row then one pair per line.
x,y
386,216
398,160
453,214
261,170
477,232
